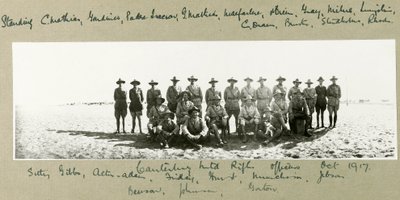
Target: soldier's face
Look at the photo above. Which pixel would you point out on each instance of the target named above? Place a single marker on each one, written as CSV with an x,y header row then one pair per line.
x,y
232,83
297,84
248,82
309,85
277,96
261,83
174,82
334,81
159,101
212,84
248,103
320,82
192,82
280,81
195,114
185,96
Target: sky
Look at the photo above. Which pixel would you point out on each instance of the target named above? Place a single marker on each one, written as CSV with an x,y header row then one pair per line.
x,y
66,72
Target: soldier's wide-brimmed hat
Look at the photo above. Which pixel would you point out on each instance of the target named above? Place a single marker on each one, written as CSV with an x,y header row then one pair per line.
x,y
216,98
159,97
174,79
280,78
193,109
135,82
192,78
309,81
185,92
333,78
212,81
249,97
248,79
153,83
277,92
169,114
320,79
232,80
297,81
261,79
120,81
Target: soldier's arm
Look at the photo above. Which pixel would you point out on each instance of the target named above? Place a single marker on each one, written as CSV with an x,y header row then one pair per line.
x,y
225,95
178,111
340,92
141,96
169,99
115,95
185,130
148,96
206,97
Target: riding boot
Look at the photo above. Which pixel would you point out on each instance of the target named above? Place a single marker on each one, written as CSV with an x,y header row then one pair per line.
x,y
330,121
133,127
318,121
322,120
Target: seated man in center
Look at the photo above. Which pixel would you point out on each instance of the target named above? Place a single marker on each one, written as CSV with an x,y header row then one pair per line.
x,y
155,118
298,110
194,130
183,107
249,118
168,130
216,117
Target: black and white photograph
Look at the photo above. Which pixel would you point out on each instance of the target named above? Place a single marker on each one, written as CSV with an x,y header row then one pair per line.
x,y
307,100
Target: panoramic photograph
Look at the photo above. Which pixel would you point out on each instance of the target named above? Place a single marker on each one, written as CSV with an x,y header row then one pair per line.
x,y
307,100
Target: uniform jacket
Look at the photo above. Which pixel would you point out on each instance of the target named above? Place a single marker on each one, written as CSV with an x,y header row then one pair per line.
x,y
231,97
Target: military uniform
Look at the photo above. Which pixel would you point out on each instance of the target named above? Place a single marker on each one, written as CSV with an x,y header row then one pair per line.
x,y
292,91
196,96
247,91
211,93
309,95
120,106
173,97
136,97
248,113
263,97
333,93
151,97
298,110
232,97
167,130
282,88
182,111
320,104
155,114
195,131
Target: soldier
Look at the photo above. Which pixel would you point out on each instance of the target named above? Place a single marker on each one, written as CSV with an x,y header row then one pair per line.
x,y
168,131
310,96
194,129
333,94
263,96
195,93
249,118
136,107
298,110
120,106
294,89
151,96
155,116
280,87
216,117
320,105
184,105
232,97
211,92
277,124
247,90
173,94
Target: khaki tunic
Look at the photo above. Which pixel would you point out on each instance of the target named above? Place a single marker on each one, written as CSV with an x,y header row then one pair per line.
x,y
282,88
263,96
292,91
197,95
310,96
231,97
333,94
247,91
210,94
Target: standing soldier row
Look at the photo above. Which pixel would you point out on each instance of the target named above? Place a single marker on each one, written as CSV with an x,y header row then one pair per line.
x,y
260,108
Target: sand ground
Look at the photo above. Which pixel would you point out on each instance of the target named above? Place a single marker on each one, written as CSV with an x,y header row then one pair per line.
x,y
86,132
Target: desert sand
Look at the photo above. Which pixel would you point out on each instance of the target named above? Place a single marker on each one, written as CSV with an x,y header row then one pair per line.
x,y
364,131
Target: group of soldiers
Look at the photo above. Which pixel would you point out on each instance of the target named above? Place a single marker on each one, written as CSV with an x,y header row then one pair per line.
x,y
262,111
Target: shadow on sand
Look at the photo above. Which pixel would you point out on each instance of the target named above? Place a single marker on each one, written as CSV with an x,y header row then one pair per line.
x,y
140,141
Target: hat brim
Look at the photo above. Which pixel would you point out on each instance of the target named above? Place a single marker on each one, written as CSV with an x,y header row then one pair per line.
x,y
135,83
170,114
162,99
213,82
118,82
334,79
175,80
248,79
232,80
281,79
308,82
153,83
297,82
264,79
192,110
193,79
